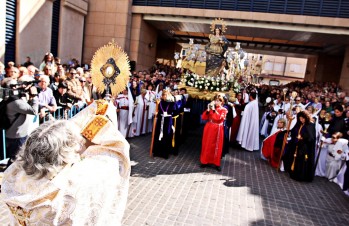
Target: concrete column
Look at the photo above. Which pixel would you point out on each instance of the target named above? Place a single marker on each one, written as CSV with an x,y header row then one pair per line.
x,y
143,43
310,71
107,20
71,30
2,30
34,20
344,77
328,68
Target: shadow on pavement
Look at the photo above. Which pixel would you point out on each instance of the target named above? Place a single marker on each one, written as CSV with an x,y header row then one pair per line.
x,y
284,201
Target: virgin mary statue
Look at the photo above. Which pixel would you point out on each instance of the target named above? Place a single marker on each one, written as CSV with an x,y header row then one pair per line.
x,y
216,49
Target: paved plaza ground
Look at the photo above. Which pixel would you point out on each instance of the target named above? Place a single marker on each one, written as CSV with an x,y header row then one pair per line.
x,y
247,191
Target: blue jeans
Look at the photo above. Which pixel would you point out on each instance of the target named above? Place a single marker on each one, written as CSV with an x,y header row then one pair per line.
x,y
13,145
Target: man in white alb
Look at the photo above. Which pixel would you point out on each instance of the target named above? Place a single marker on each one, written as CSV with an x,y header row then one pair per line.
x,y
248,135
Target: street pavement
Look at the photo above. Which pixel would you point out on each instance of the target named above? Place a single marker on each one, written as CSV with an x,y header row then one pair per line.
x,y
248,191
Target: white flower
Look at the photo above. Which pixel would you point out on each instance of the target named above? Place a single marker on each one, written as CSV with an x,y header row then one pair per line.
x,y
211,88
217,89
206,87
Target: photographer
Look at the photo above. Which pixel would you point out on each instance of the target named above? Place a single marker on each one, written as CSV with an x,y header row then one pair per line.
x,y
18,111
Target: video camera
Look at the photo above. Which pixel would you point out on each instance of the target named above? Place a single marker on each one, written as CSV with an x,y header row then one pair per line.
x,y
24,84
22,88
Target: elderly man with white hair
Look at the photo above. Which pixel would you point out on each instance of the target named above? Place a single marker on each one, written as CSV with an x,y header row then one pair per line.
x,y
80,71
47,101
72,172
31,71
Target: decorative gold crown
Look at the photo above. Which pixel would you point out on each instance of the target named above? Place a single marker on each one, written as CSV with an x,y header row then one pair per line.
x,y
220,22
110,67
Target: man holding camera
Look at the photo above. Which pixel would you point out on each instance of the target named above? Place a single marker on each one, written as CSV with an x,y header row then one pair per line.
x,y
25,103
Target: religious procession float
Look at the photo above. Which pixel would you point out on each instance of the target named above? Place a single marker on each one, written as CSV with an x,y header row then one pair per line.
x,y
216,67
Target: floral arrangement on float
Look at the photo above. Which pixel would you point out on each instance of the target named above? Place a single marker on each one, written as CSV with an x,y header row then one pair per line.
x,y
212,83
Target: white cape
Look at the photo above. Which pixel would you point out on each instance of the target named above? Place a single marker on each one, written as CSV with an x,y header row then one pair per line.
x,y
248,135
141,115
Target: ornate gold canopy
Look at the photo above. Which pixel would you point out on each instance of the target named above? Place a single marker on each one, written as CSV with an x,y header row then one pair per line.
x,y
110,68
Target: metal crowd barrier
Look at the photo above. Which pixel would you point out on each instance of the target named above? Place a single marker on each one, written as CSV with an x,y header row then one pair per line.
x,y
58,114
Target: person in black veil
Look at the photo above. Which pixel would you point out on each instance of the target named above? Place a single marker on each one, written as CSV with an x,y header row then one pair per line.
x,y
227,124
300,155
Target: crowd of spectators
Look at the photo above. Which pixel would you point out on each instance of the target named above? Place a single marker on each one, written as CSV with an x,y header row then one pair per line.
x,y
37,94
322,100
69,87
324,108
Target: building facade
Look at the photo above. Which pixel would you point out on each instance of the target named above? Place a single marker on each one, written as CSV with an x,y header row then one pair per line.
x,y
41,26
149,29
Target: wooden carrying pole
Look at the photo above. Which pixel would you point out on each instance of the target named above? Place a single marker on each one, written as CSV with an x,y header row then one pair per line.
x,y
284,141
154,125
318,155
290,118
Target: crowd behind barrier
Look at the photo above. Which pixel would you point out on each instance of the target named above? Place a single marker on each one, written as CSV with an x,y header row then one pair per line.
x,y
56,115
153,101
